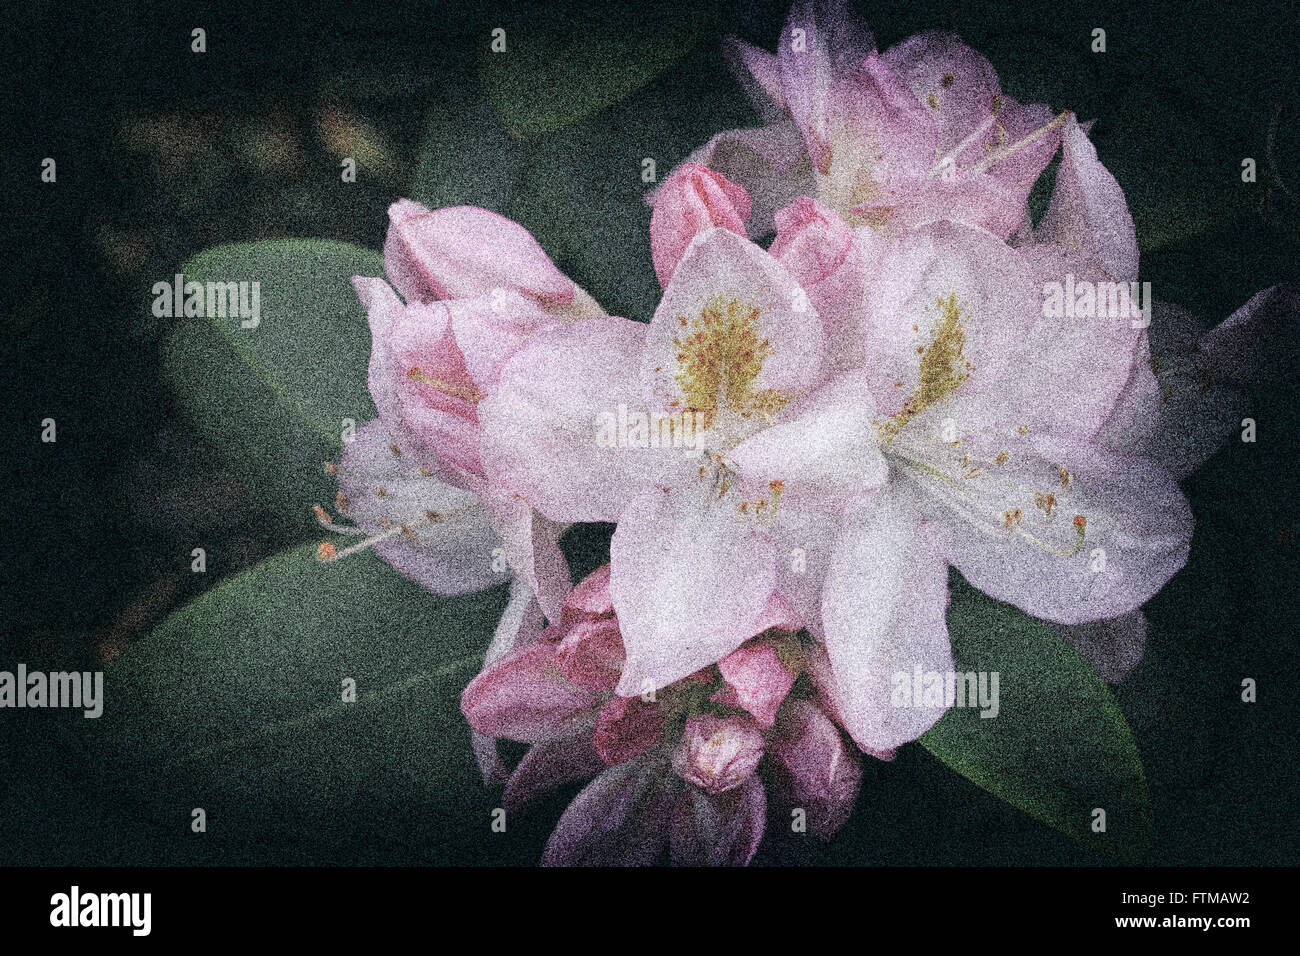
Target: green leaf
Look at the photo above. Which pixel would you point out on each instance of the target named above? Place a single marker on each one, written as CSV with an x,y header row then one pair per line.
x,y
272,399
561,66
581,192
234,704
1059,746
467,157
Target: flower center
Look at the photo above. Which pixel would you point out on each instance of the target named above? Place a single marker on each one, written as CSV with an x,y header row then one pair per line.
x,y
943,365
720,353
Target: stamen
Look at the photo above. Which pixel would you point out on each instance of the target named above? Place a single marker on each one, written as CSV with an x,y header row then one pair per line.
x,y
323,519
994,158
331,468
1009,520
965,144
776,488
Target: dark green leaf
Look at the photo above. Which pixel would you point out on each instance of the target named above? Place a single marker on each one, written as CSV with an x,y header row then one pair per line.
x,y
234,704
467,158
273,398
1059,747
564,65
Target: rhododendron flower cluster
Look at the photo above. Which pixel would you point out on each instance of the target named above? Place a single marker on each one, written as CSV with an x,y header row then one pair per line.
x,y
853,321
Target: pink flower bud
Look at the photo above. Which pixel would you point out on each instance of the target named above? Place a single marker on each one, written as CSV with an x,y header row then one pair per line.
x,y
627,727
590,654
717,753
590,595
462,251
756,681
690,201
811,240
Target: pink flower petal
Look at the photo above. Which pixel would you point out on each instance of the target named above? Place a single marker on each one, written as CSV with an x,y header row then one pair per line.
x,y
689,582
1087,212
524,697
626,728
737,280
1137,528
883,609
548,766
619,819
756,681
463,251
945,284
822,41
591,654
813,768
956,83
540,428
433,555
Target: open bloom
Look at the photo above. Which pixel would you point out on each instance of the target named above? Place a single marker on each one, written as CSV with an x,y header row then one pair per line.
x,y
733,360
920,132
967,436
468,287
688,768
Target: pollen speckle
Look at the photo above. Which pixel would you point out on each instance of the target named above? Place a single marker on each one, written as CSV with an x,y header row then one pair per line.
x,y
948,80
720,358
1010,517
1002,458
325,551
943,365
933,101
331,468
1064,475
340,502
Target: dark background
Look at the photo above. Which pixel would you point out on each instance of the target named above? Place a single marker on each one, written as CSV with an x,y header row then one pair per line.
x,y
162,153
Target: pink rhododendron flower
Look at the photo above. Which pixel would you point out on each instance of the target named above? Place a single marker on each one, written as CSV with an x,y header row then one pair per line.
x,y
734,354
968,436
920,132
473,286
683,769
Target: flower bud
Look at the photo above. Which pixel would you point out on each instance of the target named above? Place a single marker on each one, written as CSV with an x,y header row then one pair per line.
x,y
716,754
